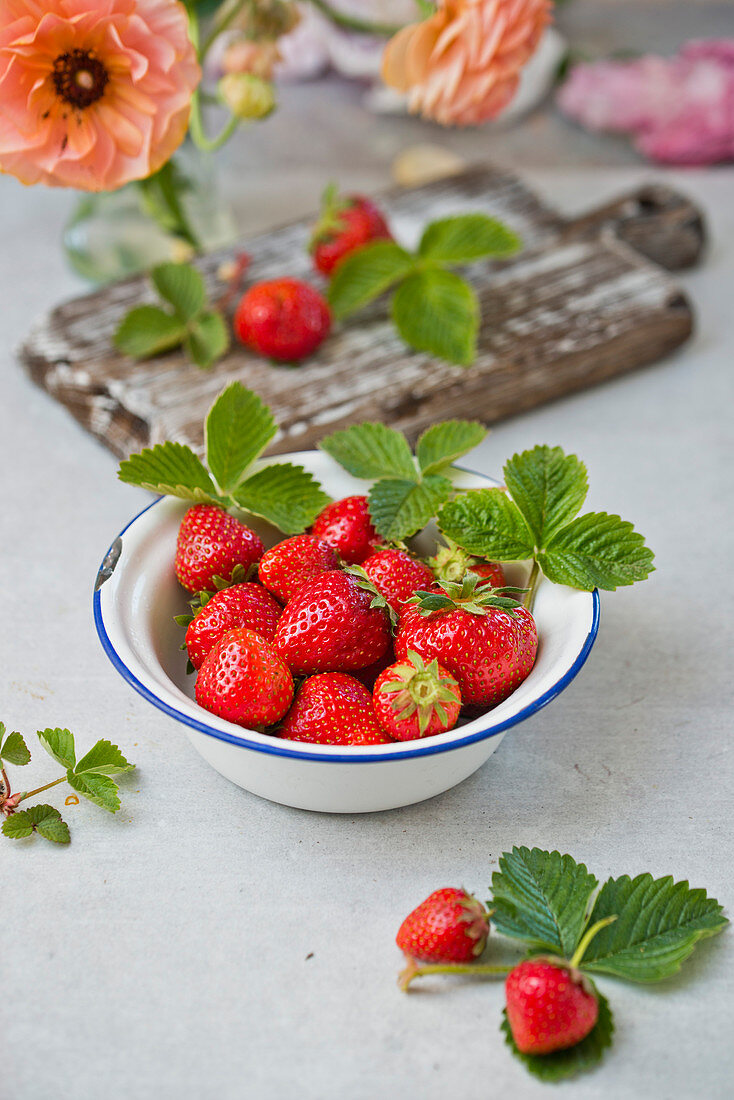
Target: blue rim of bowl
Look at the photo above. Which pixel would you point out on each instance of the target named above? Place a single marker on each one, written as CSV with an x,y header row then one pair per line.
x,y
421,748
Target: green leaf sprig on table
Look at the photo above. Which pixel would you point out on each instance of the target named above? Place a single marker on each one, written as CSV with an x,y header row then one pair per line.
x,y
407,491
91,777
238,429
641,929
433,308
186,320
538,520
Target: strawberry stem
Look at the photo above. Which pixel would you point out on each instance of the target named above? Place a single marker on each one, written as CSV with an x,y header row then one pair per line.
x,y
413,970
533,579
39,790
587,938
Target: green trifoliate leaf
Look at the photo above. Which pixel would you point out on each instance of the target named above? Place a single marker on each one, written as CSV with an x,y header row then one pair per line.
x,y
542,898
438,312
365,274
37,819
658,924
488,523
182,286
99,789
172,469
371,451
14,749
104,758
285,495
443,443
567,1063
148,330
548,487
597,550
466,237
59,744
399,508
238,429
207,340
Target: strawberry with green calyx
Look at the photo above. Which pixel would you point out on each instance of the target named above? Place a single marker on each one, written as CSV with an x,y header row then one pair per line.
x,y
332,624
413,699
451,563
450,926
244,681
241,605
333,708
484,638
211,543
346,223
346,525
397,575
286,567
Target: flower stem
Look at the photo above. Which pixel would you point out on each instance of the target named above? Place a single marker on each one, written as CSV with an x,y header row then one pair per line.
x,y
221,24
532,585
587,938
198,132
39,790
353,23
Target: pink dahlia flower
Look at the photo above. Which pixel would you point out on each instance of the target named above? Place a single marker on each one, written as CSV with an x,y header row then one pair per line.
x,y
680,110
462,64
93,93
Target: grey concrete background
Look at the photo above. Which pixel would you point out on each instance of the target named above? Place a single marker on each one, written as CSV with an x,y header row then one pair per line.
x,y
205,943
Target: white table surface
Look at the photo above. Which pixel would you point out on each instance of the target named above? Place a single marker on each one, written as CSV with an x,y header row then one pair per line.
x,y
205,943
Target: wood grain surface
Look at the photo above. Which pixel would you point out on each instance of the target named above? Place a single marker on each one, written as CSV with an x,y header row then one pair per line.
x,y
587,299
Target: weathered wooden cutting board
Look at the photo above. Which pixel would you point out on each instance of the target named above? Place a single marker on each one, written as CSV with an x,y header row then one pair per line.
x,y
586,300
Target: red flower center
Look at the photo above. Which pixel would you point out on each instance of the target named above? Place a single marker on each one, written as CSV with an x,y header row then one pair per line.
x,y
79,78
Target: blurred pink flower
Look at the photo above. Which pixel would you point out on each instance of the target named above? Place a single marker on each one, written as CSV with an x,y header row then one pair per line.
x,y
679,110
462,64
93,93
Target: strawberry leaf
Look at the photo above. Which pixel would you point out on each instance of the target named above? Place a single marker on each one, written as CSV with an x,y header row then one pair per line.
x,y
285,495
99,789
548,487
577,1059
541,898
371,451
41,819
14,749
104,758
443,443
466,237
172,469
59,744
365,274
148,330
182,286
659,922
207,340
488,523
238,429
399,507
597,550
438,312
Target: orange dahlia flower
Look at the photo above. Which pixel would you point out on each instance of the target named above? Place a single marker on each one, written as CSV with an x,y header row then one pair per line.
x,y
462,64
93,93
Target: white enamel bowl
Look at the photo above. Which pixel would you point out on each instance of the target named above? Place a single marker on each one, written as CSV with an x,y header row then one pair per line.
x,y
137,595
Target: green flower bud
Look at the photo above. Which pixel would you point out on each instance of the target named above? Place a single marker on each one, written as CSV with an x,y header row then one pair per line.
x,y
246,95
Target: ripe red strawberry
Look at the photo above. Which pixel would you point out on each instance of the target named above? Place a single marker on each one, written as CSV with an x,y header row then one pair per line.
x,y
288,565
450,926
247,605
333,709
346,525
397,575
413,699
331,626
244,680
347,222
284,319
549,1006
484,641
210,544
452,563
368,675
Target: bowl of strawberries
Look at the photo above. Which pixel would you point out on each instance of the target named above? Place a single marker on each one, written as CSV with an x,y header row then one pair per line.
x,y
327,667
